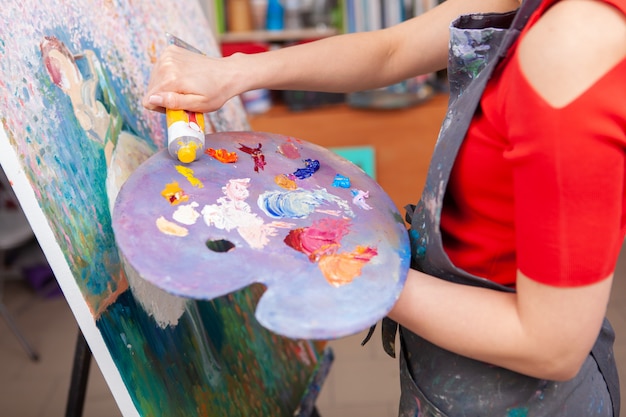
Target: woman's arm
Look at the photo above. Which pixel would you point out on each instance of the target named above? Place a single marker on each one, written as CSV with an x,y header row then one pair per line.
x,y
343,63
541,331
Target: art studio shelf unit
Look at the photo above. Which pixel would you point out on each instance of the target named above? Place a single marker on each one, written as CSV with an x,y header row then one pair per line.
x,y
252,26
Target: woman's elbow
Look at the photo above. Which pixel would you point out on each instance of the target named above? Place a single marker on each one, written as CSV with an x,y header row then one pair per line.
x,y
560,367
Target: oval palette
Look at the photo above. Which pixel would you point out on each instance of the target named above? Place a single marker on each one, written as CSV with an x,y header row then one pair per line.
x,y
322,236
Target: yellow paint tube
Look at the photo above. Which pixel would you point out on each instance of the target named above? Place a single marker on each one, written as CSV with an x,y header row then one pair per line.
x,y
185,134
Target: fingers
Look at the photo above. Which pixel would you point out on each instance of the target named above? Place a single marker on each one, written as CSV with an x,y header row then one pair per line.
x,y
185,80
167,100
175,101
153,102
163,80
176,82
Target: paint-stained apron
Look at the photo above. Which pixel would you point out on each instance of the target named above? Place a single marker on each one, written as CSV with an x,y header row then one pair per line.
x,y
439,383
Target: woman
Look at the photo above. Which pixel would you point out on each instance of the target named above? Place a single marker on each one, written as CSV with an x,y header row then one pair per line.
x,y
515,244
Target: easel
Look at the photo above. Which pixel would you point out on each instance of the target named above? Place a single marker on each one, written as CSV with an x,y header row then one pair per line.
x,y
80,377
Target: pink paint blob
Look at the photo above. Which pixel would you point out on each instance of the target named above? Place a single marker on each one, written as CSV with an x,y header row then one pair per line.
x,y
289,150
321,238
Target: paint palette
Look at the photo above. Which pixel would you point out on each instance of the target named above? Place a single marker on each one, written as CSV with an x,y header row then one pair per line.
x,y
321,235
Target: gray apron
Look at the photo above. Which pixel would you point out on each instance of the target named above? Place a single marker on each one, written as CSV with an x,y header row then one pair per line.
x,y
439,383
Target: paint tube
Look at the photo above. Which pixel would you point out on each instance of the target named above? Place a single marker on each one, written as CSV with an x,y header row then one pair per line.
x,y
185,130
185,134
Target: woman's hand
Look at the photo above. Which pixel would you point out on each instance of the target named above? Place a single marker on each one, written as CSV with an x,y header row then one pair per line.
x,y
182,79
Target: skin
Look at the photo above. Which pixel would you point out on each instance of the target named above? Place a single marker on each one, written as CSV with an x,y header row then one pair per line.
x,y
541,330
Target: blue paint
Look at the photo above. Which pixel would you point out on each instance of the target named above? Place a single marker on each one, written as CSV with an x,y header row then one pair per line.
x,y
311,166
341,181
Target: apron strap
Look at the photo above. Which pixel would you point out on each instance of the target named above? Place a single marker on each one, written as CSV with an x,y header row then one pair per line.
x,y
602,353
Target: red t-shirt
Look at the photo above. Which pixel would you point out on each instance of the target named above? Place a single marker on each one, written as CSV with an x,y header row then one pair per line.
x,y
537,188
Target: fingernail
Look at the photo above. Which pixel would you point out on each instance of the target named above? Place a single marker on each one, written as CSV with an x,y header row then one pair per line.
x,y
156,100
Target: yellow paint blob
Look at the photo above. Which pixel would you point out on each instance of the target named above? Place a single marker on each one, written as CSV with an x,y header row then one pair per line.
x,y
187,153
189,174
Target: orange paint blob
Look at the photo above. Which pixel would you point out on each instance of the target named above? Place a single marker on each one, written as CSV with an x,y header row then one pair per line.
x,y
222,155
174,194
342,268
285,182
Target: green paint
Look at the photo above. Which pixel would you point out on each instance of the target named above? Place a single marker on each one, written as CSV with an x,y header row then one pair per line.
x,y
517,412
361,156
249,371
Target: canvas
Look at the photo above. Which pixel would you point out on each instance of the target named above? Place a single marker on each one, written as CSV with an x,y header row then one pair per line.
x,y
72,73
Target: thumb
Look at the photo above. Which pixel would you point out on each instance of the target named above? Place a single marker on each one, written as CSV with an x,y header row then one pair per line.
x,y
167,100
154,102
177,101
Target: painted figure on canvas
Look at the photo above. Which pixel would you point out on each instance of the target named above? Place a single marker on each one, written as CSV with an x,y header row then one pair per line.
x,y
94,103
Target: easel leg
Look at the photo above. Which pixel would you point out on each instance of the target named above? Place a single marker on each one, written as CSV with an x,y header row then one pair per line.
x,y
80,376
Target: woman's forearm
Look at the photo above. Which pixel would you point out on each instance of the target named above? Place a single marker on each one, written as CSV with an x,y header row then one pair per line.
x,y
512,330
342,63
364,60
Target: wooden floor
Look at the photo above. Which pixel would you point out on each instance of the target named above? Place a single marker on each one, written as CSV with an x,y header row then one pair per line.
x,y
403,139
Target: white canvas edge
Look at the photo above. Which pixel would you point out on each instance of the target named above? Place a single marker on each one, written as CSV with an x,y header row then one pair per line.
x,y
51,249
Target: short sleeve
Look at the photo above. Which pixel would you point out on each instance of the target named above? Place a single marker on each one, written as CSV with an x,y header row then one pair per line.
x,y
568,168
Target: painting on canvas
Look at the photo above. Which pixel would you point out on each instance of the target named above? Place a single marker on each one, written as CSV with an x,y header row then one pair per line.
x,y
72,73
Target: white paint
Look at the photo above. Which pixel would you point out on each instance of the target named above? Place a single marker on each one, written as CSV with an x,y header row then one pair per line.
x,y
165,308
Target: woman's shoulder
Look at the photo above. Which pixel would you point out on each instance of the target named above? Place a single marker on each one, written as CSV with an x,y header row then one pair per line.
x,y
571,46
617,4
578,24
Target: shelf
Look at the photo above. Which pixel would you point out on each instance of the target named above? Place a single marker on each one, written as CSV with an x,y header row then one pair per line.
x,y
277,35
